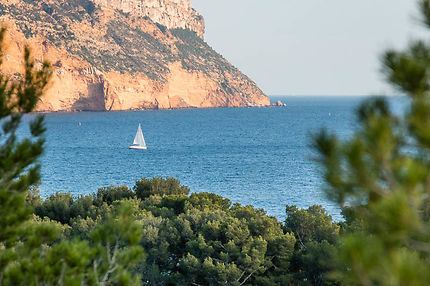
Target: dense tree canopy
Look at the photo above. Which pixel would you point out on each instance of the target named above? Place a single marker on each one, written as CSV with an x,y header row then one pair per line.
x,y
201,239
316,239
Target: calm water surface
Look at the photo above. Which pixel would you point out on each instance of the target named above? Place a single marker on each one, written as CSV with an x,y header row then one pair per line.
x,y
258,156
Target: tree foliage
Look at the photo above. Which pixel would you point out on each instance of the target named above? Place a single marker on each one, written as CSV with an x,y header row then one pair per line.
x,y
201,239
381,176
159,187
18,158
316,243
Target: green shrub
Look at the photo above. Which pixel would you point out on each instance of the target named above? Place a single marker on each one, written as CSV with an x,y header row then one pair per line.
x,y
111,194
159,187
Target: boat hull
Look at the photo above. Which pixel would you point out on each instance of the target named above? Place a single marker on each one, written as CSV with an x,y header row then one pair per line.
x,y
137,147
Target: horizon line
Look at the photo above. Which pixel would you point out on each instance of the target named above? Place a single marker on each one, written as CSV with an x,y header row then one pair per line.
x,y
333,95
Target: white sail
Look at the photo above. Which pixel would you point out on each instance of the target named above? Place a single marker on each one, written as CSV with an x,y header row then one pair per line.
x,y
139,141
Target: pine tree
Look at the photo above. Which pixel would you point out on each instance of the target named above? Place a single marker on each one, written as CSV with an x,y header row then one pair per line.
x,y
19,168
381,178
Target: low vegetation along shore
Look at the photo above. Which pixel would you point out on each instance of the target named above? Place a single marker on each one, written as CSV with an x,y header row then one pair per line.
x,y
157,233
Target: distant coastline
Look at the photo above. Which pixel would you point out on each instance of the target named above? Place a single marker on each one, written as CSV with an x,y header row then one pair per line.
x,y
273,100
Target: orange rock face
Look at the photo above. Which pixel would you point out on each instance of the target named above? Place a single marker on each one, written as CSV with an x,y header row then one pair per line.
x,y
106,60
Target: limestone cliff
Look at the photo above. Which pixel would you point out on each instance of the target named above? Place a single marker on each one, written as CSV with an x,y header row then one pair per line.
x,y
122,55
170,13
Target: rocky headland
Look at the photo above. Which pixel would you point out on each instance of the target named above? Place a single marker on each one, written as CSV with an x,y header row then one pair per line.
x,y
123,55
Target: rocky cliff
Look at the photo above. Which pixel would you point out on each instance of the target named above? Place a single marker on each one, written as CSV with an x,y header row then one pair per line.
x,y
169,13
123,54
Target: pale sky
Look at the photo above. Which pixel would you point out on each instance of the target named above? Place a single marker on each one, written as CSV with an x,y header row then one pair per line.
x,y
310,47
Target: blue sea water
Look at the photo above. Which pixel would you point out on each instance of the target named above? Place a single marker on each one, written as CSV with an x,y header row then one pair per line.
x,y
258,156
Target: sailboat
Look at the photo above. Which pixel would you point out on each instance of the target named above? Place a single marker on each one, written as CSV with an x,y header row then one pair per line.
x,y
139,141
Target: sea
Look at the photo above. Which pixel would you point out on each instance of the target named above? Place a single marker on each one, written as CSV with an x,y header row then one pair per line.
x,y
252,156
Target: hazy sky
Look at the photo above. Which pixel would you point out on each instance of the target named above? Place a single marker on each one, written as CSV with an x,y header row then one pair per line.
x,y
310,47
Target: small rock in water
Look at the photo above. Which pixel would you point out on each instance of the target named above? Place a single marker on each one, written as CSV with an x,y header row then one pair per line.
x,y
280,104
